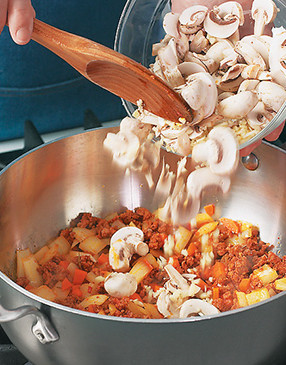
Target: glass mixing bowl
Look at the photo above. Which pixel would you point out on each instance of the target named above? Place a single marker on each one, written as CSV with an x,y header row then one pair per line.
x,y
140,26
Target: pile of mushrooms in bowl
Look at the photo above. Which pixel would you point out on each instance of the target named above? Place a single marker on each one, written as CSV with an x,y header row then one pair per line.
x,y
227,63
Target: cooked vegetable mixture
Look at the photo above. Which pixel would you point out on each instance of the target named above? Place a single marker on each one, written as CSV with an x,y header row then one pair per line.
x,y
133,264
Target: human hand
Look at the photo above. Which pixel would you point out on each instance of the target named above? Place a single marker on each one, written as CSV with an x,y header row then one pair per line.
x,y
19,16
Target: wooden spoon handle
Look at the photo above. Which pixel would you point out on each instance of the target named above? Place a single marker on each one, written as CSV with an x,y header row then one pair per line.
x,y
113,71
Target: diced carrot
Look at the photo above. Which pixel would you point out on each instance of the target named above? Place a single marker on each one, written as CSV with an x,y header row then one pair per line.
x,y
64,264
231,225
79,276
244,285
192,249
136,296
76,291
66,284
103,259
215,293
218,270
90,308
163,236
155,287
174,261
210,209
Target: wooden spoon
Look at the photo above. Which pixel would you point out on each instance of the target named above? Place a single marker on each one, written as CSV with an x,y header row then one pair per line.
x,y
113,71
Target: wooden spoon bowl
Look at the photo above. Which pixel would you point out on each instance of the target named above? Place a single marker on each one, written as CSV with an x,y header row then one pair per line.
x,y
114,72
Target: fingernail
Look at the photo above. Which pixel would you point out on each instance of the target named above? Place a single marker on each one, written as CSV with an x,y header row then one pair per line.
x,y
22,35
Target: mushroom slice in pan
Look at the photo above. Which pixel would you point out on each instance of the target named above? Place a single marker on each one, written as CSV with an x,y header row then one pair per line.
x,y
189,68
120,285
192,18
194,307
218,51
263,12
277,56
223,20
238,106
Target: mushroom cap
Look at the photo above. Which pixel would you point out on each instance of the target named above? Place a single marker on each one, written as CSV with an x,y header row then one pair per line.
x,y
189,68
191,18
238,106
141,130
249,53
273,95
265,7
203,178
124,146
127,234
233,8
120,285
228,156
277,56
218,51
220,24
193,307
261,47
200,92
170,24
259,116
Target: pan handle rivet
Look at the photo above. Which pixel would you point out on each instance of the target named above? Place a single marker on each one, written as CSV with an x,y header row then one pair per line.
x,y
250,162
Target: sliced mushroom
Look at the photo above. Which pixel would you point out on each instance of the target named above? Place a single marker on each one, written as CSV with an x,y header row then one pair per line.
x,y
223,20
141,130
170,24
120,285
263,12
168,60
194,307
277,56
189,68
200,93
123,244
218,51
251,56
192,18
238,106
166,306
259,116
248,85
199,43
233,72
179,282
204,178
220,151
272,94
231,85
261,46
124,146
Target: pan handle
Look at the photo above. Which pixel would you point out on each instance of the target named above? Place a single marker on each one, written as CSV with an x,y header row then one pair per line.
x,y
42,328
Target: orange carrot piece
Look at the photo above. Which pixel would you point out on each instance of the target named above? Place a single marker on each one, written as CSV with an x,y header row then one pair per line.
x,y
230,225
210,209
218,270
103,259
136,296
244,284
192,249
215,293
64,264
174,262
76,291
155,287
79,276
66,284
